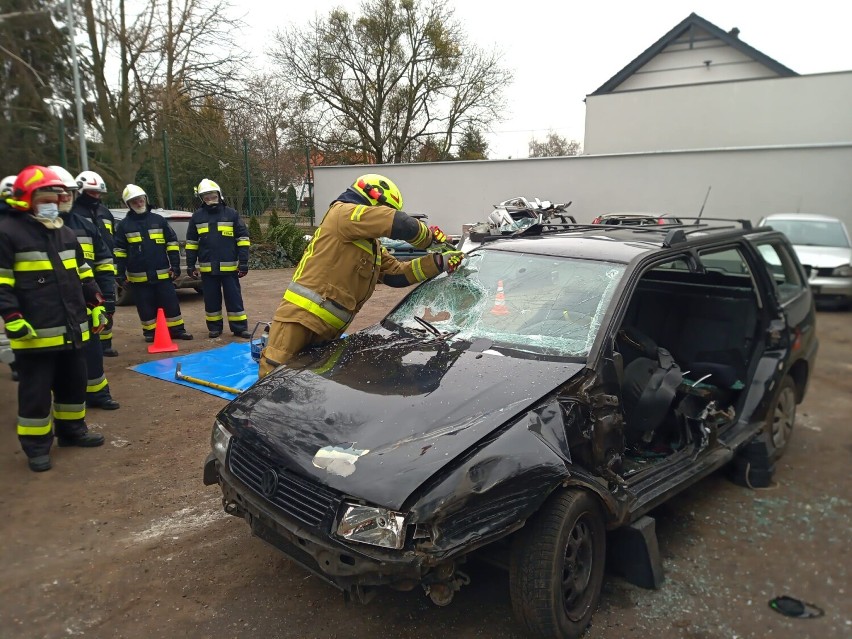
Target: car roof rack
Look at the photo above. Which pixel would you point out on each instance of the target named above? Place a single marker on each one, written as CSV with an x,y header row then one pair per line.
x,y
673,233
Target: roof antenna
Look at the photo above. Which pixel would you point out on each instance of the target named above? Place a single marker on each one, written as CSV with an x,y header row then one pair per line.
x,y
703,204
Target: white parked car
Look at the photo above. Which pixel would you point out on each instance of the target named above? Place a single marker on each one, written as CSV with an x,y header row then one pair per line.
x,y
823,246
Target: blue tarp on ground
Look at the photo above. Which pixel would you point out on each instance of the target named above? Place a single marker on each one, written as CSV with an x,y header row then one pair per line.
x,y
229,365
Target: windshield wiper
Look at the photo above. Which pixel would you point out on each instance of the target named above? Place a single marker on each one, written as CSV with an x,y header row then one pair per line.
x,y
435,331
428,326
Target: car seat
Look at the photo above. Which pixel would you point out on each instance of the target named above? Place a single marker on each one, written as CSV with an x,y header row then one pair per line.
x,y
650,383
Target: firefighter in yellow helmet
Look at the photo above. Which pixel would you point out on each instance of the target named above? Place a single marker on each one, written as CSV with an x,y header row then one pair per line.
x,y
343,263
46,284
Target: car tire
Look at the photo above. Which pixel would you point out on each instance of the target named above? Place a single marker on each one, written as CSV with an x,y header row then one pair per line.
x,y
123,295
780,419
557,566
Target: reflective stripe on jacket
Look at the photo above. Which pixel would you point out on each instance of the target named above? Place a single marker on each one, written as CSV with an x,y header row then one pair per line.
x,y
96,252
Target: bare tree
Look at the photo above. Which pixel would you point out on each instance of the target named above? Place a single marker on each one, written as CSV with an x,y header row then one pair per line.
x,y
34,77
267,115
553,146
378,88
169,56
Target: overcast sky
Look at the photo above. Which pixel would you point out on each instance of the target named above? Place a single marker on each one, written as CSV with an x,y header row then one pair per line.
x,y
562,50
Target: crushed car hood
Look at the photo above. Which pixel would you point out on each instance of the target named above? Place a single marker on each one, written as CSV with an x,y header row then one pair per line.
x,y
375,415
823,256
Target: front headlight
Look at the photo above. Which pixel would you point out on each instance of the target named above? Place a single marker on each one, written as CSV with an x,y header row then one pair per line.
x,y
374,526
219,440
843,271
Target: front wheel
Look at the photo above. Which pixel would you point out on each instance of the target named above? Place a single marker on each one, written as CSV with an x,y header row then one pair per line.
x,y
557,566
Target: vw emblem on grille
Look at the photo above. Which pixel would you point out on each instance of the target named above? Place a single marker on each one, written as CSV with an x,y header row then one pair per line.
x,y
269,482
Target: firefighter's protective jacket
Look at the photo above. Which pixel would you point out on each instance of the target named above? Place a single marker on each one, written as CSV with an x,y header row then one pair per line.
x,y
45,279
342,264
94,210
96,253
146,248
218,239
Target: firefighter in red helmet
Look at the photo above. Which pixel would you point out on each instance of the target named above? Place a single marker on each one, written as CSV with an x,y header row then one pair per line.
x,y
46,287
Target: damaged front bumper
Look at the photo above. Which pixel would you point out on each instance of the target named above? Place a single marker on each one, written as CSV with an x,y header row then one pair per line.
x,y
339,564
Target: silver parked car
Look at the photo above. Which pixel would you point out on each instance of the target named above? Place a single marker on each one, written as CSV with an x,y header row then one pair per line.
x,y
823,246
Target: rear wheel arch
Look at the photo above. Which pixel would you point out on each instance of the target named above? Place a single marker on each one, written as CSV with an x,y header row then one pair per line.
x,y
799,374
781,418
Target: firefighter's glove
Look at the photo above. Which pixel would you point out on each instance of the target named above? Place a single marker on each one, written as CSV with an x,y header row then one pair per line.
x,y
195,273
451,260
172,275
438,236
20,329
99,319
242,272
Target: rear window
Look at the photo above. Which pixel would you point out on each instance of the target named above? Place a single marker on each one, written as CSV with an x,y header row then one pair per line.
x,y
812,232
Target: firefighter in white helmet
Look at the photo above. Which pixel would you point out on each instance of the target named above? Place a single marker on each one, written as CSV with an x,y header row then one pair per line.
x,y
217,239
5,191
91,187
147,259
99,255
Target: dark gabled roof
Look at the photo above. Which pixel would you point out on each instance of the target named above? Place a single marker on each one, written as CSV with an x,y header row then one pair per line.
x,y
692,20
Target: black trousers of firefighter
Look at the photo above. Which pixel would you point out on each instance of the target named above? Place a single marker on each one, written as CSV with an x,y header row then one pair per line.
x,y
64,374
214,288
150,296
97,387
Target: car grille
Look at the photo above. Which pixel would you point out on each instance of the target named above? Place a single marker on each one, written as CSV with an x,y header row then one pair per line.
x,y
824,272
300,498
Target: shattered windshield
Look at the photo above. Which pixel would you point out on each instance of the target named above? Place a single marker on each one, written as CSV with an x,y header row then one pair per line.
x,y
531,303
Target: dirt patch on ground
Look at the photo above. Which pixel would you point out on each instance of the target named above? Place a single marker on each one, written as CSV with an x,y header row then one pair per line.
x,y
125,541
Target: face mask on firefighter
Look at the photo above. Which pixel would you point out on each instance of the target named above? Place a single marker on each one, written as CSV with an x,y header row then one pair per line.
x,y
47,210
211,197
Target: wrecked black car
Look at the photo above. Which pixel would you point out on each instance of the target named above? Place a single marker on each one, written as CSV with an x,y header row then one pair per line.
x,y
537,402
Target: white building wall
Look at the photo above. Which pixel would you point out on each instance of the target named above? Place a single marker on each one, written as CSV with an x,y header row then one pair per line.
x,y
745,183
810,109
705,59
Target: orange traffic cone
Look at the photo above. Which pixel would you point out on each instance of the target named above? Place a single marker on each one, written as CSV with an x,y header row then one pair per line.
x,y
162,340
499,307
